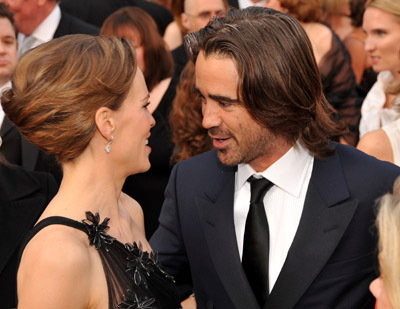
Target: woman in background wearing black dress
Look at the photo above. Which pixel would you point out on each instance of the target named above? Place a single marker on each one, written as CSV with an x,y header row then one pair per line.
x,y
156,63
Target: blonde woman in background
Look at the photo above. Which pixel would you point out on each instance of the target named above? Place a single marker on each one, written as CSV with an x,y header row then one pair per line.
x,y
386,288
381,22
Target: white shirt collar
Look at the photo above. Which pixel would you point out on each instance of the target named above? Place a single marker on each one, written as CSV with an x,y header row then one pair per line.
x,y
45,31
288,173
246,3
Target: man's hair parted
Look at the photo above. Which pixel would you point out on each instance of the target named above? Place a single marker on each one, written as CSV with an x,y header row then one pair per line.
x,y
279,80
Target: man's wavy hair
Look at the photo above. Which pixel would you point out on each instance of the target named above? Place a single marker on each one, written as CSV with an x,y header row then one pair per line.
x,y
279,80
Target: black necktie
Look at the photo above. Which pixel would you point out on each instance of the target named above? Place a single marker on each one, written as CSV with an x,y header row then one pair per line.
x,y
256,241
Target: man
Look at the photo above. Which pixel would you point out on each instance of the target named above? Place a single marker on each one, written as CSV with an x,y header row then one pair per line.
x,y
264,108
196,15
15,148
8,50
23,195
39,21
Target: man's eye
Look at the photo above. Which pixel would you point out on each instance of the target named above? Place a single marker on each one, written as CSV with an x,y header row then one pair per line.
x,y
224,104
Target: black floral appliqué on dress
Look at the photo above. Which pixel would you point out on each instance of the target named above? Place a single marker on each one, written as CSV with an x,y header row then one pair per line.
x,y
135,278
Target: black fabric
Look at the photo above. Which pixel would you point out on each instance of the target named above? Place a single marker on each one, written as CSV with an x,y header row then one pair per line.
x,y
180,59
255,259
11,142
95,12
19,151
340,87
148,188
71,25
23,197
134,277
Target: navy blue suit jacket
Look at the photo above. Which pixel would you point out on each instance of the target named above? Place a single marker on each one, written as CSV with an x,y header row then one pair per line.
x,y
332,258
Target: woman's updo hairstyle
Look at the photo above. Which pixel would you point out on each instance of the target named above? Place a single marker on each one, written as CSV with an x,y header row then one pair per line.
x,y
59,86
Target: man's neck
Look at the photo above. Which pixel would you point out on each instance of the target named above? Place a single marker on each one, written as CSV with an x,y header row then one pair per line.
x,y
45,11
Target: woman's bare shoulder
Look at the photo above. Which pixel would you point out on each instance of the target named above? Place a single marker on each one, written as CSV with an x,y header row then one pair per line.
x,y
55,268
377,143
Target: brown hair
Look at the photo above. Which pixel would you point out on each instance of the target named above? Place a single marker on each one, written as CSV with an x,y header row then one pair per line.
x,y
304,10
279,81
158,59
188,134
357,8
6,13
59,86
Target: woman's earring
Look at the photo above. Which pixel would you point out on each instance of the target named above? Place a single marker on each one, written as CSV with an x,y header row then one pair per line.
x,y
108,147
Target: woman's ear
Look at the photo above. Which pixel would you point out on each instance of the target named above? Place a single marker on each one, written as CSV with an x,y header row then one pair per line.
x,y
105,122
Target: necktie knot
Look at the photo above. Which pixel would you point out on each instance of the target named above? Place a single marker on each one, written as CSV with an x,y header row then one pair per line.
x,y
259,187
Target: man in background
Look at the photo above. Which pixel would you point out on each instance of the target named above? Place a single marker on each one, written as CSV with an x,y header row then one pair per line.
x,y
39,21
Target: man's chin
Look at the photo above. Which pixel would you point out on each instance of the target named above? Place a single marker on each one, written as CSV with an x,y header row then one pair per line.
x,y
226,158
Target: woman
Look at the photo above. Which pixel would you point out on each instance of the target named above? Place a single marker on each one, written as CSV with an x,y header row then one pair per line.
x,y
82,99
155,60
332,59
355,44
384,143
337,14
382,26
188,134
386,288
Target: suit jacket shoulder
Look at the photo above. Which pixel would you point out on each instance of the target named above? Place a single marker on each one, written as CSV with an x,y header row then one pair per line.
x,y
23,197
72,25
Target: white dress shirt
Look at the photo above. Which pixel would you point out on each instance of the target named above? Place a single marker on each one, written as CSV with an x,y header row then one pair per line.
x,y
42,34
283,203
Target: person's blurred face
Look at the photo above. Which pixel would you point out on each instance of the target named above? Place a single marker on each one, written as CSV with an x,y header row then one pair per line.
x,y
8,51
26,14
377,289
382,42
133,34
197,13
274,4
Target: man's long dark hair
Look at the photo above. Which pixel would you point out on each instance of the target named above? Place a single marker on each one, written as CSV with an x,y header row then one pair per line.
x,y
279,80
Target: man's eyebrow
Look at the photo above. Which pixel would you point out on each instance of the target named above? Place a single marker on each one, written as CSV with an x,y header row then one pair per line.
x,y
216,97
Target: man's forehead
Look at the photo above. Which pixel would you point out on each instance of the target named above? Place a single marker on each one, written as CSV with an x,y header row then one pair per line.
x,y
202,5
6,28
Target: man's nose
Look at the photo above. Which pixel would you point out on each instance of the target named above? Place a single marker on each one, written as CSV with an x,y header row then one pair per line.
x,y
211,115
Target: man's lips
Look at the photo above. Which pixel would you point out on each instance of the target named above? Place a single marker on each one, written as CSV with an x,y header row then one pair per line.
x,y
220,142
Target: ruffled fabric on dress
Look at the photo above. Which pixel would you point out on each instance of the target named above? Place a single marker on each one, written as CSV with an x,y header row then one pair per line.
x,y
373,114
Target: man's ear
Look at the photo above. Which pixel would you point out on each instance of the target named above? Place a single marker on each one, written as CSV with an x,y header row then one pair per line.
x,y
105,122
185,21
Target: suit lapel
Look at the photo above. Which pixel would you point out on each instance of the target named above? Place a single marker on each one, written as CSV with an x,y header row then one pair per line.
x,y
328,209
216,212
6,127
